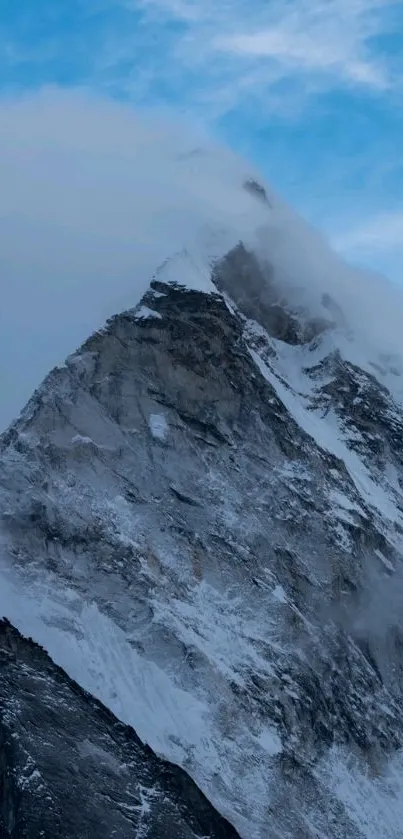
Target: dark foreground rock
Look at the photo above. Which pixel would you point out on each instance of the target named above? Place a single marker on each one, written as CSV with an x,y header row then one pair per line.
x,y
69,769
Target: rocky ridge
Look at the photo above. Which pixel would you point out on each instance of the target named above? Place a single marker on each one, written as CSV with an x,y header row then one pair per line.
x,y
198,504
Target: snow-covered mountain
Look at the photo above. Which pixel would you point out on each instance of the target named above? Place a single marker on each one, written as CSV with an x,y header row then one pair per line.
x,y
201,523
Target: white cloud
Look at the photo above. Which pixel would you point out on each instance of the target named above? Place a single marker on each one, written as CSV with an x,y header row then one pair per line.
x,y
94,196
309,51
211,56
185,10
383,232
247,46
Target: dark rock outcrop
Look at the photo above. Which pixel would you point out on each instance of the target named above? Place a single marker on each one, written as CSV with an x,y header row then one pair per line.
x,y
70,769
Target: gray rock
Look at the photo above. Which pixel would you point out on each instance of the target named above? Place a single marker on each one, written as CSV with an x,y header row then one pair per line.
x,y
162,477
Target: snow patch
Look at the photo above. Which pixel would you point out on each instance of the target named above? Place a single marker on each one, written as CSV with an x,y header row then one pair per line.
x,y
279,594
344,508
269,740
158,426
385,561
143,313
375,804
188,271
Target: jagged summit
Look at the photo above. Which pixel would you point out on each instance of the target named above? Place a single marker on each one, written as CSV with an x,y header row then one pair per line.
x,y
201,510
196,511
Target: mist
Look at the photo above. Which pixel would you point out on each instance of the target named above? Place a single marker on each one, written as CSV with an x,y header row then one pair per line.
x,y
95,196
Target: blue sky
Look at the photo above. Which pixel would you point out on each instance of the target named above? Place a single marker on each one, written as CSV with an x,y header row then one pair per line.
x,y
310,90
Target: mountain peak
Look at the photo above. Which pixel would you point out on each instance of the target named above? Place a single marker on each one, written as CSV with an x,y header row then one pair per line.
x,y
193,521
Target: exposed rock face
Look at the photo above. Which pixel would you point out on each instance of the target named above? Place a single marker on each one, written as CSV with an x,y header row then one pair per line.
x,y
251,286
256,189
205,530
70,769
371,417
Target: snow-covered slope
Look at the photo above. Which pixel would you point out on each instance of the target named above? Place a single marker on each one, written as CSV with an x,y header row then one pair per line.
x,y
202,522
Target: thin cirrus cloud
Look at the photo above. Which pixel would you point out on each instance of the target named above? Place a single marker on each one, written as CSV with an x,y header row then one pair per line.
x,y
312,43
384,231
210,56
310,52
292,59
375,240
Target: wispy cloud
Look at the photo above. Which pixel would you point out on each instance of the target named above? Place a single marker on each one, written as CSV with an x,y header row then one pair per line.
x,y
310,89
215,55
94,196
378,233
247,47
321,46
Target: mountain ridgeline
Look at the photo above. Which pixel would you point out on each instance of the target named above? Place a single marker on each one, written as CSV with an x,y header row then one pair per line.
x,y
201,529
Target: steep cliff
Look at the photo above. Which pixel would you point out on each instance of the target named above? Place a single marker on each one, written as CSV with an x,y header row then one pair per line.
x,y
201,522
